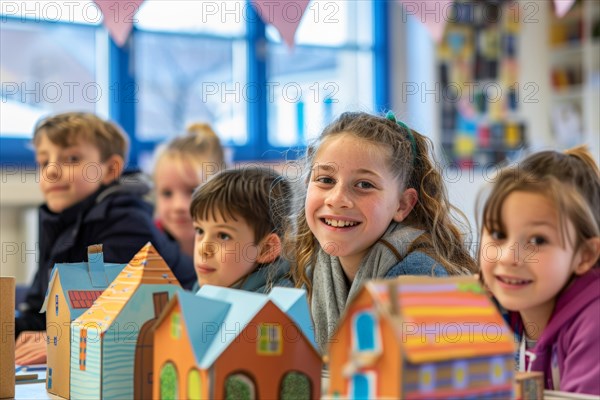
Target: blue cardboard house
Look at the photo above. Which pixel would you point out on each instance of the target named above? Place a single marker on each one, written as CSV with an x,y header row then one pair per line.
x,y
72,290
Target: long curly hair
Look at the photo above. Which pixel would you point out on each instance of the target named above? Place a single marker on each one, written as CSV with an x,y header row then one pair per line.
x,y
411,161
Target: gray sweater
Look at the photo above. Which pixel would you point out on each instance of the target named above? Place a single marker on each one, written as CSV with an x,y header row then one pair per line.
x,y
387,258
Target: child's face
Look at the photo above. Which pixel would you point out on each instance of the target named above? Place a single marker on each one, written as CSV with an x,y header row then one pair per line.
x,y
352,197
526,265
70,174
174,183
224,252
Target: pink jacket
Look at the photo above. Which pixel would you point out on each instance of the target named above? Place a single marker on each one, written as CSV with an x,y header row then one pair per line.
x,y
571,339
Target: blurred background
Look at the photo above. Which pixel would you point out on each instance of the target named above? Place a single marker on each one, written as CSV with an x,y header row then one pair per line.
x,y
487,81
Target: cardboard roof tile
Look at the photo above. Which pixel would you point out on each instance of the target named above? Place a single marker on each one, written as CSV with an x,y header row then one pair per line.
x,y
77,276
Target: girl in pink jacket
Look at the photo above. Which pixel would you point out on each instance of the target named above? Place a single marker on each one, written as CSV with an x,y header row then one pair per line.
x,y
539,257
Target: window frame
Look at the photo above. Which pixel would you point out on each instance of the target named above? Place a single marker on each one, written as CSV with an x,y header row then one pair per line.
x,y
269,334
17,152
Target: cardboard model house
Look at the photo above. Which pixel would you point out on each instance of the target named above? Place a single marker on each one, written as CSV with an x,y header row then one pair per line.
x,y
529,385
227,343
72,289
422,338
107,337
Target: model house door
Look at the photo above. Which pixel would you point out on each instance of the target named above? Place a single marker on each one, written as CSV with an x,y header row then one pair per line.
x,y
144,351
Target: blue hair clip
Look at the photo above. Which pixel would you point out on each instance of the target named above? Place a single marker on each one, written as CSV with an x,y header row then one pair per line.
x,y
390,115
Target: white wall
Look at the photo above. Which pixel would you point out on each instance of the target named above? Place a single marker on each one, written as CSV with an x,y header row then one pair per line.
x,y
19,196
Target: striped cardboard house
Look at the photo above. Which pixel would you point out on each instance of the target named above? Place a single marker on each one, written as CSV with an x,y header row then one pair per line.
x,y
115,333
422,338
72,290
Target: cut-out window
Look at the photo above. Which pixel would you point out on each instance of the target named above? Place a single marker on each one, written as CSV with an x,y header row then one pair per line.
x,y
269,341
366,335
82,349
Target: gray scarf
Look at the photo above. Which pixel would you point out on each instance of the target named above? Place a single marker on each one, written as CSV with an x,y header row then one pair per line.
x,y
330,291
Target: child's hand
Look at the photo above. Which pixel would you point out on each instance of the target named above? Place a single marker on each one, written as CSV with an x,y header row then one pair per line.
x,y
30,348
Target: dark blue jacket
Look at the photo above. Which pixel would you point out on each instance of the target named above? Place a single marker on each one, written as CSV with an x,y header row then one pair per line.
x,y
417,263
116,216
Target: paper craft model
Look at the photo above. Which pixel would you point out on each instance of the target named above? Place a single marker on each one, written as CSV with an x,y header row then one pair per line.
x,y
227,343
529,386
115,333
72,289
422,338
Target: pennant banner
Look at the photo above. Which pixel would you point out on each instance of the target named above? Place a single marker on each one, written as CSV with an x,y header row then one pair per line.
x,y
433,14
562,7
284,15
119,17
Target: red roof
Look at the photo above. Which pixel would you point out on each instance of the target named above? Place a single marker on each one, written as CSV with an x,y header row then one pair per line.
x,y
83,298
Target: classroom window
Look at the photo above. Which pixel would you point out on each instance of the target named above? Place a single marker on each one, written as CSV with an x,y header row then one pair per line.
x,y
269,340
188,61
178,83
324,74
50,60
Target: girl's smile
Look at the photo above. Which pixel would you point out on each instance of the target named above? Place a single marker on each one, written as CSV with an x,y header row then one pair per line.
x,y
352,198
512,283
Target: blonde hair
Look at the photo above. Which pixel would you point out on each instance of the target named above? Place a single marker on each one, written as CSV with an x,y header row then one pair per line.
x,y
411,162
200,147
571,180
70,128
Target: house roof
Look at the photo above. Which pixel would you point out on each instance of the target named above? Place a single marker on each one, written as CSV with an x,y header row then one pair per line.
x,y
77,276
202,327
295,304
243,306
83,298
439,319
147,267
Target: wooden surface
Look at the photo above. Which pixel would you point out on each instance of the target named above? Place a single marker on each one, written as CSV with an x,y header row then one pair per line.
x,y
38,391
7,332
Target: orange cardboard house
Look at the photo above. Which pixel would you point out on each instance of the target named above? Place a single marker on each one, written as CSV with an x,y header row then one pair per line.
x,y
72,289
422,338
227,343
114,336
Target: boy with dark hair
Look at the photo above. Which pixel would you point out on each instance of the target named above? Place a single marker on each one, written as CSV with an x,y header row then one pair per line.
x,y
240,217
